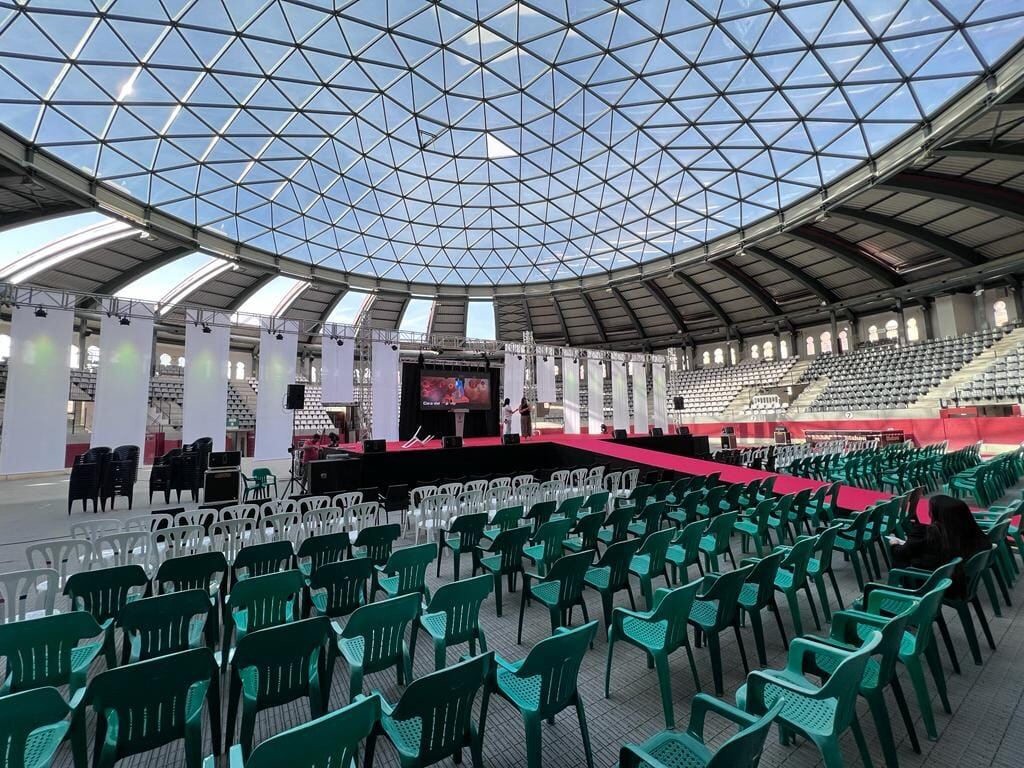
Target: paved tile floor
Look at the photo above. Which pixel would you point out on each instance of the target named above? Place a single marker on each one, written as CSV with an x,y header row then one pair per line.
x,y
987,700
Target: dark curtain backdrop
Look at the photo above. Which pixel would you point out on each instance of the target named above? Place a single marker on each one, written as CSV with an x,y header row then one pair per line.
x,y
439,423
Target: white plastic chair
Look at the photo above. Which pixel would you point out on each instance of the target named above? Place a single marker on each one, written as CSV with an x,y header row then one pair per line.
x,y
282,526
318,522
125,548
148,523
362,515
250,510
450,489
435,514
628,482
470,502
93,529
499,498
181,540
229,536
28,594
201,516
578,480
347,499
66,556
475,485
500,482
314,502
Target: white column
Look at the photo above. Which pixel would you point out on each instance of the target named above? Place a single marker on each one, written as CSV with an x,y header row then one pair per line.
x,y
122,384
386,390
277,371
205,405
620,395
595,395
336,360
660,396
640,418
546,392
571,393
512,384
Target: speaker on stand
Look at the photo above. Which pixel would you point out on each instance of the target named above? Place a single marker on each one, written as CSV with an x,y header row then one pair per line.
x,y
294,400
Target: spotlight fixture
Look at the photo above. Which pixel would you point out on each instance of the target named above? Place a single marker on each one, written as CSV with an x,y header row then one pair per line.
x,y
207,329
394,347
545,358
279,337
340,342
126,320
40,312
420,359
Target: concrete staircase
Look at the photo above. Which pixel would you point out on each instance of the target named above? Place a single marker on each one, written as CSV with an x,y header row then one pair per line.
x,y
736,409
808,396
946,390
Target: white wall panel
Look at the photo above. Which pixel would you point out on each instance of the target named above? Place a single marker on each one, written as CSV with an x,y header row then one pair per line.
x,y
207,356
546,391
640,416
659,393
620,395
277,371
336,364
122,384
513,387
571,394
386,389
595,395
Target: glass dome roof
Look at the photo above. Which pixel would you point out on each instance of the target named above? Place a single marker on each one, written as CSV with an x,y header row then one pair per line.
x,y
482,141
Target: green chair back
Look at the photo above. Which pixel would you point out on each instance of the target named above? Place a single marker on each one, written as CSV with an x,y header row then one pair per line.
x,y
660,489
744,749
720,529
597,502
279,664
331,740
570,507
378,541
586,528
261,474
540,513
673,607
469,529
925,609
103,593
381,627
551,535
409,564
974,569
157,626
439,707
317,551
688,539
32,725
651,516
616,559
797,558
261,559
266,601
656,547
460,602
569,571
340,588
204,571
723,589
618,522
509,545
507,518
762,577
556,660
37,652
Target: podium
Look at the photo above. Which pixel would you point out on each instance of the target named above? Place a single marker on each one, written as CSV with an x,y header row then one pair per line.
x,y
460,420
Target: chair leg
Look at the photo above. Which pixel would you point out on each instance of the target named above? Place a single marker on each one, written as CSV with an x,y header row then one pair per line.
x,y
835,587
879,713
715,650
739,642
794,613
810,602
778,620
522,610
758,629
665,686
584,732
983,621
862,745
819,583
972,636
533,743
908,722
924,701
948,642
931,655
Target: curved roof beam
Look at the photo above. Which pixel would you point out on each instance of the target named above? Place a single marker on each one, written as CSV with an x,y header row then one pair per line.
x,y
289,298
18,218
983,150
633,318
847,252
704,296
561,319
759,294
141,269
65,248
666,304
944,246
997,200
589,304
801,276
192,282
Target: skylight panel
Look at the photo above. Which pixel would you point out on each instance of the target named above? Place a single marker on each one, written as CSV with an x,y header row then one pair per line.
x,y
497,149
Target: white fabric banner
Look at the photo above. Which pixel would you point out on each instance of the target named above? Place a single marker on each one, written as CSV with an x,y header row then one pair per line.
x,y
385,391
36,400
546,392
122,384
620,395
277,371
595,395
659,393
207,357
337,350
571,395
640,417
512,385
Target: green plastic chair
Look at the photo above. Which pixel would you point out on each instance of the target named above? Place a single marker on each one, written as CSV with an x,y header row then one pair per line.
x,y
685,551
685,511
716,608
50,652
273,667
649,561
259,603
616,526
819,713
687,749
716,540
659,633
584,533
141,707
848,627
33,723
597,502
504,519
545,683
974,570
792,577
206,571
504,557
754,527
648,520
103,593
852,540
570,507
453,617
260,484
433,720
778,520
157,626
337,589
546,544
316,551
559,590
611,575
539,514
261,559
758,594
678,490
820,565
406,571
331,740
467,532
374,640
376,542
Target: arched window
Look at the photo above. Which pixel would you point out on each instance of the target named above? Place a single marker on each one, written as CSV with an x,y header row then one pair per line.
x,y
769,351
5,346
165,359
706,358
76,356
719,356
754,352
1000,316
810,345
873,333
239,370
844,341
92,356
312,374
783,349
912,334
181,361
892,330
732,355
826,342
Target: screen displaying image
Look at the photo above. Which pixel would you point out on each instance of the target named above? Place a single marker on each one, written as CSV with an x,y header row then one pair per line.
x,y
455,390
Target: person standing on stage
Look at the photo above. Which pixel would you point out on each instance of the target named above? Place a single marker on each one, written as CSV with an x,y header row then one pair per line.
x,y
507,413
526,421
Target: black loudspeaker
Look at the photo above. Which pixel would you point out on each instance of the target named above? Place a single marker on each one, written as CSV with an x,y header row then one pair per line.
x,y
619,434
656,432
296,398
677,403
375,446
221,459
682,430
331,475
221,485
510,439
451,441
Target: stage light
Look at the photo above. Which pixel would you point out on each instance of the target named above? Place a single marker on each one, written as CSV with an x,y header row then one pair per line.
x,y
207,329
126,320
340,342
394,347
420,360
40,312
279,337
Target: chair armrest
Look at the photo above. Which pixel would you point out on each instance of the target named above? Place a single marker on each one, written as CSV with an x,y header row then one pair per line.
x,y
634,756
845,623
703,703
619,614
905,599
510,666
749,561
913,575
802,647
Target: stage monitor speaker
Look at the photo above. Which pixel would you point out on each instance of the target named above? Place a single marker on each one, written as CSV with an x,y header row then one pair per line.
x,y
375,446
451,441
296,397
223,459
619,434
331,475
682,430
678,404
221,485
510,439
656,432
